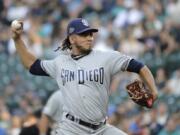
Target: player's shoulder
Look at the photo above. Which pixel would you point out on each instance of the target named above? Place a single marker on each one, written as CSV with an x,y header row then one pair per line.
x,y
95,51
106,52
62,55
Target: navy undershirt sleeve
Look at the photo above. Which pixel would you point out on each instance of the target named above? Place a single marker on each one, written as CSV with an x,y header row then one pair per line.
x,y
36,69
135,66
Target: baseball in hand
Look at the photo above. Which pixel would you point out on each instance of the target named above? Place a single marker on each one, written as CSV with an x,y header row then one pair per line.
x,y
16,24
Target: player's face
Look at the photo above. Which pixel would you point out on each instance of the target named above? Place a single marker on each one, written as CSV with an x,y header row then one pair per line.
x,y
83,42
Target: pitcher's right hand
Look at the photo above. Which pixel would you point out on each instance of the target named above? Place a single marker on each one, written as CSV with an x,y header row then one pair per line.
x,y
16,28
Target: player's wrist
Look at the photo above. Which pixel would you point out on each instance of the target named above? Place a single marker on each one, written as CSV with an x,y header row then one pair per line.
x,y
155,95
17,40
16,37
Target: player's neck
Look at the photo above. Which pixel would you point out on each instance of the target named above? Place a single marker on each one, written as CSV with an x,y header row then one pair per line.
x,y
75,51
77,56
79,51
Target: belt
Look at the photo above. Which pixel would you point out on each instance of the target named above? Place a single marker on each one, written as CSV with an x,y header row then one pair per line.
x,y
84,123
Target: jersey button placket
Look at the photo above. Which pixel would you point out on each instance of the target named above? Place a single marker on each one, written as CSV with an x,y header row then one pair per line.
x,y
83,97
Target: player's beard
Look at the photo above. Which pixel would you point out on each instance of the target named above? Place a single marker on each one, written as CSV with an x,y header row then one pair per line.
x,y
83,50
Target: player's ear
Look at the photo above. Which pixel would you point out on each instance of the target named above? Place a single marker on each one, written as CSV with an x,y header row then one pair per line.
x,y
72,39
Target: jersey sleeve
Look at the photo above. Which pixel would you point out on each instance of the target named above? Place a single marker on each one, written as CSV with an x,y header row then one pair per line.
x,y
49,66
53,105
119,62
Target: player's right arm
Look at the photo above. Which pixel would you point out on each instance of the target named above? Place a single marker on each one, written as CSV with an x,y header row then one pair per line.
x,y
29,61
26,57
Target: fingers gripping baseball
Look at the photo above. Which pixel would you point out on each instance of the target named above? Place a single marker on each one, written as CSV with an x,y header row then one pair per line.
x,y
139,94
16,28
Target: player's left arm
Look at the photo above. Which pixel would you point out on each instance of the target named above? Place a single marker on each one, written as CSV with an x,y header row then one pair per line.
x,y
145,74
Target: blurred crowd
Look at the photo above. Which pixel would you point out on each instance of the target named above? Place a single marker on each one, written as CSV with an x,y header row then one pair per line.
x,y
148,30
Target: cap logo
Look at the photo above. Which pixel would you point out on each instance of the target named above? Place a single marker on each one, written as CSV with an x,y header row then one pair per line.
x,y
85,22
71,30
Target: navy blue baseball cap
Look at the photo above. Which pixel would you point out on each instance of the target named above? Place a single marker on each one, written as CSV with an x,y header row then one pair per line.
x,y
78,26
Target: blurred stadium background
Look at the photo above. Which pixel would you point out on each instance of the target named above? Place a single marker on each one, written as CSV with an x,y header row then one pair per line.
x,y
146,30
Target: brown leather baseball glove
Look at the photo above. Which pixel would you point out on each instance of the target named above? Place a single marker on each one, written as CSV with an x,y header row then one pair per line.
x,y
139,94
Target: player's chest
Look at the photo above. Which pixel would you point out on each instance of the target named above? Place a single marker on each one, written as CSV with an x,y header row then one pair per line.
x,y
81,72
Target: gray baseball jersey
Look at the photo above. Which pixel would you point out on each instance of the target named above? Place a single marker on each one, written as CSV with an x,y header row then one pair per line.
x,y
54,106
85,82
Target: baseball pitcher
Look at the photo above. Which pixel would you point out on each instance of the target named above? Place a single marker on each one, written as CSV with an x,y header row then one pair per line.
x,y
84,77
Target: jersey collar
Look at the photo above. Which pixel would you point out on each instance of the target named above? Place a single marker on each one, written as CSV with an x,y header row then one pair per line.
x,y
77,57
